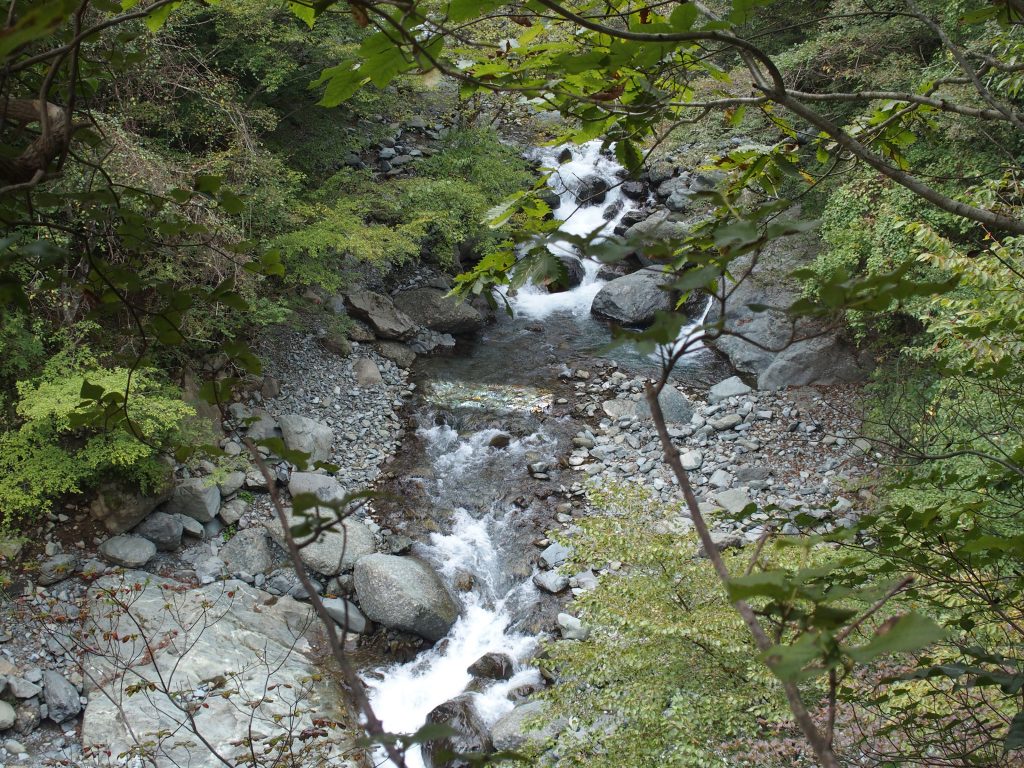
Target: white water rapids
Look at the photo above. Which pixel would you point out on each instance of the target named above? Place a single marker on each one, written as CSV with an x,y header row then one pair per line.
x,y
467,472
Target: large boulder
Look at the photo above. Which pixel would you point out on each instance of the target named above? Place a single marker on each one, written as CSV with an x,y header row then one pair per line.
x,y
61,697
380,314
307,436
120,507
331,551
128,551
162,529
675,406
824,357
404,593
633,299
471,735
218,639
247,552
439,312
660,226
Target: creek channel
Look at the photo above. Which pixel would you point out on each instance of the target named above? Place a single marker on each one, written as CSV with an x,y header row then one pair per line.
x,y
467,499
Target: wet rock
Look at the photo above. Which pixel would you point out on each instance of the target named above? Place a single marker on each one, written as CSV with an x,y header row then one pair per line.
x,y
162,529
380,313
471,734
439,312
500,442
492,666
196,498
128,551
634,299
404,593
574,274
634,190
592,190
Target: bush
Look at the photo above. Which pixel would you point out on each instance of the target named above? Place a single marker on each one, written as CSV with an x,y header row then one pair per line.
x,y
59,449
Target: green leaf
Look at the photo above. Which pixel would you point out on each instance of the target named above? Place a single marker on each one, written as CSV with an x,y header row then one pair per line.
x,y
909,632
304,12
1015,735
158,16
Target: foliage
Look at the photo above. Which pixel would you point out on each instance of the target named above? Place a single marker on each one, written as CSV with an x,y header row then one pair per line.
x,y
54,452
669,675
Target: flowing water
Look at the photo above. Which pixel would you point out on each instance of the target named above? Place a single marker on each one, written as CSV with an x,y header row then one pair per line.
x,y
503,384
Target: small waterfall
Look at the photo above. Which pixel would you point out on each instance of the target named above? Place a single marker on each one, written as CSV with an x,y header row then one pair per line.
x,y
587,161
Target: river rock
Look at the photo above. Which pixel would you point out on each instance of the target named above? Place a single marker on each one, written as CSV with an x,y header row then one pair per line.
x,y
492,666
380,313
657,228
634,190
367,373
195,497
346,614
471,734
555,555
56,569
324,487
571,627
231,483
120,507
7,716
404,593
550,581
728,421
262,426
439,312
825,357
397,352
61,697
592,190
248,551
525,726
574,273
633,299
257,643
733,500
162,529
332,551
128,551
675,407
308,436
731,387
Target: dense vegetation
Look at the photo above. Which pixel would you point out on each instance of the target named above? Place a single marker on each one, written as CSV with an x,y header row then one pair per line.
x,y
203,190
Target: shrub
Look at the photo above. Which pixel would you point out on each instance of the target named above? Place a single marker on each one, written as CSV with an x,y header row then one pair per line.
x,y
60,449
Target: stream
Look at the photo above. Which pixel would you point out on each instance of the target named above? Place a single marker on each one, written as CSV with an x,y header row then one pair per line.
x,y
482,416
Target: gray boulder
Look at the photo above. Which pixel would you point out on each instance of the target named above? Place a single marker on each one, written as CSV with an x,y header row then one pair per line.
x,y
263,427
658,227
675,406
257,642
307,435
827,358
7,716
633,299
61,697
248,551
129,551
162,529
492,666
380,314
723,390
400,354
554,555
120,508
471,734
367,373
439,312
195,497
404,593
324,487
332,551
